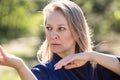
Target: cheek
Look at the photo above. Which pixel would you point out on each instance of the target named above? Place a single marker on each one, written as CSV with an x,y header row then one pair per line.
x,y
47,34
68,37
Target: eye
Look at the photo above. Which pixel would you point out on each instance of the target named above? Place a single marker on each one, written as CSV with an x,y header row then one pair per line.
x,y
61,28
49,28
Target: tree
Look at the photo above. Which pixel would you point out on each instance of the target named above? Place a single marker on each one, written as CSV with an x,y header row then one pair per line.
x,y
15,18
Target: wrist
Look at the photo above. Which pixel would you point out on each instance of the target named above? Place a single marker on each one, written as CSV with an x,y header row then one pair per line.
x,y
20,65
92,56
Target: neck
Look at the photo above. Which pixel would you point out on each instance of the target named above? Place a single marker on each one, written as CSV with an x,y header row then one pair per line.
x,y
63,55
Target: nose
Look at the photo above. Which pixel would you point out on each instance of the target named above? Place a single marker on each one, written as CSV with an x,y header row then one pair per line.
x,y
54,34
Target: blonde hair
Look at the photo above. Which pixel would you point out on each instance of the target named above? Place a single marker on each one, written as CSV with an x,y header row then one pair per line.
x,y
77,24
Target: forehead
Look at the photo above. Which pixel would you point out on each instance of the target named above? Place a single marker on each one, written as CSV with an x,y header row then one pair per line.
x,y
56,17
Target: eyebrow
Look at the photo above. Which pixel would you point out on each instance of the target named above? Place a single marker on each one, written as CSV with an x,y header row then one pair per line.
x,y
58,24
62,25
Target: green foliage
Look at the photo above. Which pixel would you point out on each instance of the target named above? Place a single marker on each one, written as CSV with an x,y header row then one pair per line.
x,y
21,17
15,18
102,15
41,4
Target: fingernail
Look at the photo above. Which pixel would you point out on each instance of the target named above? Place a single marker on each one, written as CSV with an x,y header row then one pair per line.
x,y
55,68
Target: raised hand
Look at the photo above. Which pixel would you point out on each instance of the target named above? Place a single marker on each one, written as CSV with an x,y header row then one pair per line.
x,y
7,59
73,61
16,63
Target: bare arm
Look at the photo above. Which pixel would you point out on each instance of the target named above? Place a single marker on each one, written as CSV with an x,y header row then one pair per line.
x,y
77,60
16,63
25,73
108,61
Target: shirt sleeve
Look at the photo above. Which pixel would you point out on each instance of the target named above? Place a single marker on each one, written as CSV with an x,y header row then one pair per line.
x,y
106,74
40,72
118,58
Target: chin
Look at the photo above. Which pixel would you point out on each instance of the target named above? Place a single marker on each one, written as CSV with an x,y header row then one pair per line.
x,y
57,52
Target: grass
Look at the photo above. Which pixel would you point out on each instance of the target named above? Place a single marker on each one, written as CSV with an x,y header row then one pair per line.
x,y
7,73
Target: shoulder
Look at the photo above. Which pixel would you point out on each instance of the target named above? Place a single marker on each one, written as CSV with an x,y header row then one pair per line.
x,y
40,71
39,67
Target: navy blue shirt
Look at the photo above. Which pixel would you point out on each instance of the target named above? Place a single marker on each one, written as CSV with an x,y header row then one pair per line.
x,y
46,72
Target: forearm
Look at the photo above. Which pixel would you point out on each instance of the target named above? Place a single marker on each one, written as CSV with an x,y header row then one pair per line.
x,y
25,73
108,61
17,63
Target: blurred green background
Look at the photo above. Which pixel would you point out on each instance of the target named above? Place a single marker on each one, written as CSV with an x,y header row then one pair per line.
x,y
22,30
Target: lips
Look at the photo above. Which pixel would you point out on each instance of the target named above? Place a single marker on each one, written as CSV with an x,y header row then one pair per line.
x,y
55,44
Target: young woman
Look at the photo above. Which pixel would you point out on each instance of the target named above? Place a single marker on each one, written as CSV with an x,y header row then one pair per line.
x,y
67,51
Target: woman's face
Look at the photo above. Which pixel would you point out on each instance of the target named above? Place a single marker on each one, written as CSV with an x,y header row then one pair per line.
x,y
58,34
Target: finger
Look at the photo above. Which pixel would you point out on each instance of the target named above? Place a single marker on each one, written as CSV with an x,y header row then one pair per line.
x,y
74,64
66,60
2,51
59,65
70,66
63,62
1,55
1,59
